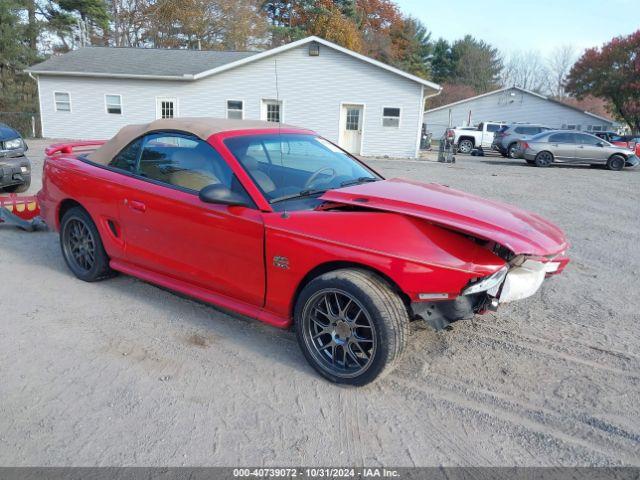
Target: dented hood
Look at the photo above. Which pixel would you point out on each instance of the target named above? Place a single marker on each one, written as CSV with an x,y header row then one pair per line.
x,y
520,231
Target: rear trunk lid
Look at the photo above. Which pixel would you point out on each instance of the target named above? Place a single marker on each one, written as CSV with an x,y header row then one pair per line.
x,y
520,231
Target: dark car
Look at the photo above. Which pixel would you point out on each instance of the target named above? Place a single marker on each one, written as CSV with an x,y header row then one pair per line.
x,y
628,141
15,167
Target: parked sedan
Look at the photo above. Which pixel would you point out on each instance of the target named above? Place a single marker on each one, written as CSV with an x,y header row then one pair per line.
x,y
576,147
277,223
15,168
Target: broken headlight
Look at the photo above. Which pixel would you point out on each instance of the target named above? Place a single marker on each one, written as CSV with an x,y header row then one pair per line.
x,y
487,283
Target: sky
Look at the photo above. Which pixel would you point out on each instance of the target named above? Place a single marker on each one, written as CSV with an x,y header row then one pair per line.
x,y
528,25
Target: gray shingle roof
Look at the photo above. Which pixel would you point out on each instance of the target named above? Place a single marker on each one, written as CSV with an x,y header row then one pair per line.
x,y
137,61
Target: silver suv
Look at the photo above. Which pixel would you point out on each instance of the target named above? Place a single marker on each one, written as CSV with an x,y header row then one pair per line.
x,y
506,139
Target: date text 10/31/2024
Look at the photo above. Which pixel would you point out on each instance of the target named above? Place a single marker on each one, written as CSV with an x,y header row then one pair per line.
x,y
316,472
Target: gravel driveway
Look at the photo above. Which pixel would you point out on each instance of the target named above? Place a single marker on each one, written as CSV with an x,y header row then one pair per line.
x,y
124,373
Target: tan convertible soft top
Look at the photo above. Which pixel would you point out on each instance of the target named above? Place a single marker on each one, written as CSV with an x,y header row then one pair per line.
x,y
202,127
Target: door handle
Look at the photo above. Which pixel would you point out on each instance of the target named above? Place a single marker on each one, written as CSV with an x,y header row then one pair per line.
x,y
135,205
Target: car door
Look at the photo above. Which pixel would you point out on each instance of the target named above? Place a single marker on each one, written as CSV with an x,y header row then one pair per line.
x,y
562,145
168,230
488,132
590,149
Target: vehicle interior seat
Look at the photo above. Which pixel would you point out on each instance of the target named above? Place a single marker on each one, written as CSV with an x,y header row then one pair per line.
x,y
191,169
261,178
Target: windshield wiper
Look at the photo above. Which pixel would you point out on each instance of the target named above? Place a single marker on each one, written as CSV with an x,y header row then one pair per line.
x,y
309,192
356,181
301,194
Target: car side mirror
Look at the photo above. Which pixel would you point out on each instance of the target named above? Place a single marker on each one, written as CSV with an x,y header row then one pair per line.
x,y
600,144
222,195
26,147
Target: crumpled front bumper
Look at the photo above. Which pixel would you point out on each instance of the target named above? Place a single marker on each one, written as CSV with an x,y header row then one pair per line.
x,y
632,161
525,278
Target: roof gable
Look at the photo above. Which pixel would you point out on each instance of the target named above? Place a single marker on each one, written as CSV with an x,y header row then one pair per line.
x,y
529,92
180,64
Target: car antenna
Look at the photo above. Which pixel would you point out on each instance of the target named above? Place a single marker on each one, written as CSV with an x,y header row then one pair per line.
x,y
275,69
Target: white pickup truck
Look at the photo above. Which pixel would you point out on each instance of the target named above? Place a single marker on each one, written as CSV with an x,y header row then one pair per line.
x,y
466,139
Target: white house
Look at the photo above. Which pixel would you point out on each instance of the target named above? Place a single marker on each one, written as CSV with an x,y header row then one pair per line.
x,y
366,106
514,104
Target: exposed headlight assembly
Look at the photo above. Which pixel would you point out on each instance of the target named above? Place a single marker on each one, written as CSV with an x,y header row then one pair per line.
x,y
487,283
13,144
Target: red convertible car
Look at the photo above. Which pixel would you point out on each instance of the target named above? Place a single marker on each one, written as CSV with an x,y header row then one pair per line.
x,y
277,223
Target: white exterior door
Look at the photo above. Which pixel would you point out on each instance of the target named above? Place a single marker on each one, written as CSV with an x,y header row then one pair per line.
x,y
351,128
166,107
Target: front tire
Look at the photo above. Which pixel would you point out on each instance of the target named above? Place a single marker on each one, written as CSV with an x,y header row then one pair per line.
x,y
512,150
616,163
351,326
82,247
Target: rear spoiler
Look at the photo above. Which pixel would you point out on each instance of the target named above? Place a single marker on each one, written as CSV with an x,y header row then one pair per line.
x,y
69,147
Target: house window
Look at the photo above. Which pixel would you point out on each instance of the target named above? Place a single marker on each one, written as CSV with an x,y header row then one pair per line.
x,y
63,101
272,110
113,104
391,117
597,128
235,109
353,119
166,107
571,127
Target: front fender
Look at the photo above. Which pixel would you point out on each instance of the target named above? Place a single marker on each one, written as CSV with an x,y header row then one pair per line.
x,y
417,256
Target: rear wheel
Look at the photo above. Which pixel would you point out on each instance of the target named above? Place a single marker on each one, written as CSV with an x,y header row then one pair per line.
x,y
465,146
351,326
512,150
543,159
82,247
616,162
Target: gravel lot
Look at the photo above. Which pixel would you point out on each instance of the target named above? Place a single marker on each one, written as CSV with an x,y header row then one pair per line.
x,y
124,373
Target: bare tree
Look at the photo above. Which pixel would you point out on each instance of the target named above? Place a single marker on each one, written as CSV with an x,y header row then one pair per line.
x,y
526,70
559,65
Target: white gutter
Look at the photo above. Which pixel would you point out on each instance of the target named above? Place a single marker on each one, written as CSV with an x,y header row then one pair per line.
x,y
113,75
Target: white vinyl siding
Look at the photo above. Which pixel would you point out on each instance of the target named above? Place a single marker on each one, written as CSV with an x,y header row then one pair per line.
x,y
235,109
62,101
311,90
113,104
509,106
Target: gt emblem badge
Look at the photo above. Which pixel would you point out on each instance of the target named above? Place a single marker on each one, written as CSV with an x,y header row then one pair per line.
x,y
281,262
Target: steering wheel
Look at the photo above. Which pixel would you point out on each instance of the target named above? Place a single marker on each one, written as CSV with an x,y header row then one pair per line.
x,y
317,173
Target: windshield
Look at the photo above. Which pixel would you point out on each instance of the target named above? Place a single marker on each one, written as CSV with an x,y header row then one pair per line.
x,y
291,166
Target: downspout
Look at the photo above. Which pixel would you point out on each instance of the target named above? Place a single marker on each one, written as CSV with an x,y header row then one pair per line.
x,y
37,79
421,111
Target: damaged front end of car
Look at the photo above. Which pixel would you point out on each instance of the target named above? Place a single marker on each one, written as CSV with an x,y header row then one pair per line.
x,y
521,277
